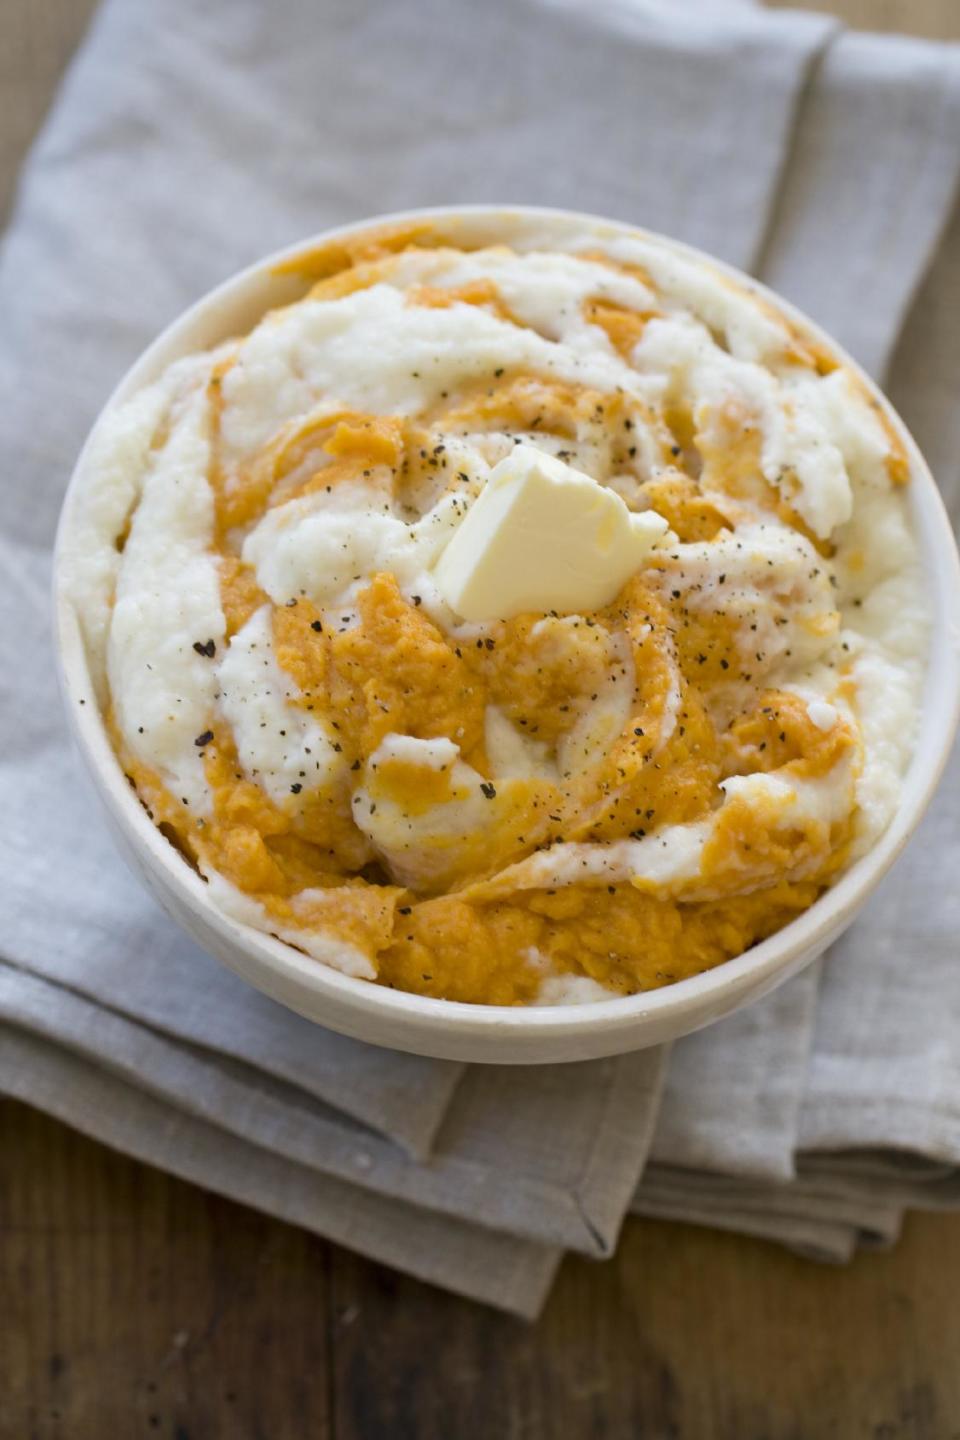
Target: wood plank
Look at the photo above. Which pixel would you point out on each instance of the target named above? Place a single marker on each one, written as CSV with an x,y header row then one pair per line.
x,y
137,1303
933,19
134,1304
687,1332
37,39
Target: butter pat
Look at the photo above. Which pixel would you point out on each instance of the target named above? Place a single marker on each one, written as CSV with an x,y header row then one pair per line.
x,y
542,536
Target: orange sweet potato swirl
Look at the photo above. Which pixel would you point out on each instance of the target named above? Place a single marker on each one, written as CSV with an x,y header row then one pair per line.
x,y
626,796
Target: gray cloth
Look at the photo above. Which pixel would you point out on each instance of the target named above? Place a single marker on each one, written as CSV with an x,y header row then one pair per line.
x,y
731,1101
868,190
487,1265
186,141
885,1068
812,1216
566,1181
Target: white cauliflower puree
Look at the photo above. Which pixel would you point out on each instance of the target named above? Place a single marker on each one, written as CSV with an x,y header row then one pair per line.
x,y
618,724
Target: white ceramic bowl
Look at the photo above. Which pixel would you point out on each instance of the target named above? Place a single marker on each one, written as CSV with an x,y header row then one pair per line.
x,y
505,1035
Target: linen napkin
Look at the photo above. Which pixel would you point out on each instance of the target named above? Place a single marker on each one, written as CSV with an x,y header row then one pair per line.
x,y
154,131
183,145
871,183
884,1068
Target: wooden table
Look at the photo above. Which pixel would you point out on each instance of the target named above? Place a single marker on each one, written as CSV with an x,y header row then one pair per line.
x,y
132,1304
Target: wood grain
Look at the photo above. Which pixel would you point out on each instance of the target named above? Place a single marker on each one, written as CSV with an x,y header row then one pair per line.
x,y
933,19
134,1305
37,39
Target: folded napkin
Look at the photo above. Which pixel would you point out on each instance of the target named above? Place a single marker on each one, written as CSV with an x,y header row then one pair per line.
x,y
186,142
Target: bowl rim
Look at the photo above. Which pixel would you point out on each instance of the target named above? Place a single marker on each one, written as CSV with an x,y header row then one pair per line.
x,y
757,968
